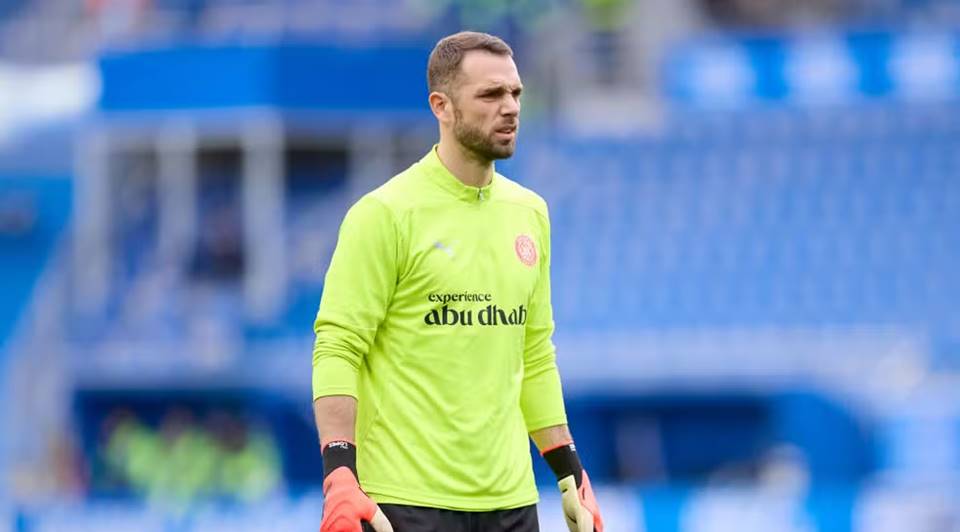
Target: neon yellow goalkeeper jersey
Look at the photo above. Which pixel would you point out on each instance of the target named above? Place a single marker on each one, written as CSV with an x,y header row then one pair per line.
x,y
436,316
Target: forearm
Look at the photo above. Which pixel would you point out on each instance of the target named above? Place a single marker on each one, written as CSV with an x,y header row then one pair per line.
x,y
336,417
551,437
344,502
541,396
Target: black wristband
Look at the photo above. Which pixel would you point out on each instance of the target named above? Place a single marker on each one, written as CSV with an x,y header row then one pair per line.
x,y
564,462
339,453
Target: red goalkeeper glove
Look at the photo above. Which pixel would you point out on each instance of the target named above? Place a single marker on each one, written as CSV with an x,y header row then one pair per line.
x,y
345,505
576,495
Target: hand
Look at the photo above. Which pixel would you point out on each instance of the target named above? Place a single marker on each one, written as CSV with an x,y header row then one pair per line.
x,y
345,505
580,505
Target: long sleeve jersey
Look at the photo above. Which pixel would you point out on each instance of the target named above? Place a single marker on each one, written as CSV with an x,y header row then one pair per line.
x,y
436,316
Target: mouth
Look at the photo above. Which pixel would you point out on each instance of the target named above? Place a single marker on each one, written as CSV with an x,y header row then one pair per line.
x,y
506,131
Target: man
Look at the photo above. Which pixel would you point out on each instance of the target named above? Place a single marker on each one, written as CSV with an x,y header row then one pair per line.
x,y
433,359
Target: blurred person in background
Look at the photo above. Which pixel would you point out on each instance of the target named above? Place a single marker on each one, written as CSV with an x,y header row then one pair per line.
x,y
776,13
184,461
131,451
434,362
190,460
608,20
250,467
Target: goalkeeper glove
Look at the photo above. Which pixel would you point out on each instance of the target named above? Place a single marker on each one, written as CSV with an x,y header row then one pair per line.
x,y
579,504
344,503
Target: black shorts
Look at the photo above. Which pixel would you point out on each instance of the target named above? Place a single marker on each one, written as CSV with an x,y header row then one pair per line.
x,y
419,519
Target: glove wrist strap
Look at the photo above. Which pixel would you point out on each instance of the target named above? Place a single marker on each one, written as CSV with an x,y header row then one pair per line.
x,y
563,460
339,453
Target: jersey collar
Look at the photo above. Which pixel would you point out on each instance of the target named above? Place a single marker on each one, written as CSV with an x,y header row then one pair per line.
x,y
441,176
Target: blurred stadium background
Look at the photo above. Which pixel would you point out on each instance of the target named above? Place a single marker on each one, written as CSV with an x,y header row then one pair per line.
x,y
756,208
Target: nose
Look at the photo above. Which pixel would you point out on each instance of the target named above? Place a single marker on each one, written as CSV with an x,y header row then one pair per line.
x,y
510,107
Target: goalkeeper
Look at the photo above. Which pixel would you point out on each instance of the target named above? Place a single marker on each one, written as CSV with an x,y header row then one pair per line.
x,y
433,360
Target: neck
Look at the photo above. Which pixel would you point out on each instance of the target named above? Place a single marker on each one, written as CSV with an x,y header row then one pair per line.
x,y
464,165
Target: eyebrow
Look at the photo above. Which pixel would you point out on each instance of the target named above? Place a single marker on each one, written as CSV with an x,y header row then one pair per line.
x,y
497,89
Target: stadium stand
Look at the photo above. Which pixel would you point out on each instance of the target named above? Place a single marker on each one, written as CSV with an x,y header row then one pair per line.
x,y
754,284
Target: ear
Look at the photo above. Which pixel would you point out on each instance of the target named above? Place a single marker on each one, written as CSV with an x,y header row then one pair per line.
x,y
442,107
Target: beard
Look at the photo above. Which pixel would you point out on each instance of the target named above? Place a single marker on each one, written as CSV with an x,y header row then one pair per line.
x,y
481,146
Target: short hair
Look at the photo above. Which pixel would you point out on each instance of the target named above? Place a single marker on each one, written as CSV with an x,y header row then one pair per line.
x,y
444,64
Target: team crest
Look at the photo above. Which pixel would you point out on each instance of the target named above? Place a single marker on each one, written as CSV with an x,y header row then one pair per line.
x,y
526,250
